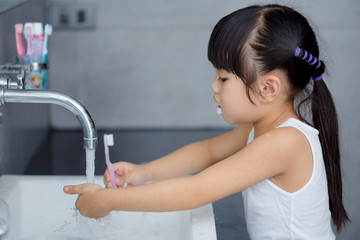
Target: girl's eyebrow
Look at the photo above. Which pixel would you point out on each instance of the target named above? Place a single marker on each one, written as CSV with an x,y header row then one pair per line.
x,y
224,74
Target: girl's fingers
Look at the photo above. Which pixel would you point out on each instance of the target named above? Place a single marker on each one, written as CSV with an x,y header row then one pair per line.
x,y
117,181
120,171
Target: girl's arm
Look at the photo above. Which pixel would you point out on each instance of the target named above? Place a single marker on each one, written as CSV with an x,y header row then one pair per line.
x,y
266,156
187,160
197,156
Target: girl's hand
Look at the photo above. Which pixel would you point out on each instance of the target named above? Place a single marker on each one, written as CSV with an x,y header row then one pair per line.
x,y
129,173
90,202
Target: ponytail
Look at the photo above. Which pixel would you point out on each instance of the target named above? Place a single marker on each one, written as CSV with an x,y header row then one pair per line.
x,y
326,121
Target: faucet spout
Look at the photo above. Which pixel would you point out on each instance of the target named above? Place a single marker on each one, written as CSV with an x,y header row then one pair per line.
x,y
61,99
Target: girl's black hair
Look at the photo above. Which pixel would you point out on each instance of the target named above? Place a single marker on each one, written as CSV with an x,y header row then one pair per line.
x,y
258,39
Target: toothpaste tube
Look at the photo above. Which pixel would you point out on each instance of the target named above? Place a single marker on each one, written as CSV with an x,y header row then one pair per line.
x,y
37,42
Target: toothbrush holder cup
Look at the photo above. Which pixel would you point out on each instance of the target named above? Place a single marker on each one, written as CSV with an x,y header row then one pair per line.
x,y
37,79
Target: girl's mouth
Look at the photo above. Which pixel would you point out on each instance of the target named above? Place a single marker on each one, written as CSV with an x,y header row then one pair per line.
x,y
219,110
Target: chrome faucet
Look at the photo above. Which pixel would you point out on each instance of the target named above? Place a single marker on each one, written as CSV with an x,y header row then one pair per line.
x,y
12,79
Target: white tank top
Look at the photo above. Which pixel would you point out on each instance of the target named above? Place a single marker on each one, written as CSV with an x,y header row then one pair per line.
x,y
273,213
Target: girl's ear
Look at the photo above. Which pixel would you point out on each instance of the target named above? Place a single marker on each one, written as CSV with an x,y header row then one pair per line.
x,y
269,86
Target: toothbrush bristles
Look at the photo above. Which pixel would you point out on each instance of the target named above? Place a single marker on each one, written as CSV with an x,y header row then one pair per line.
x,y
48,29
19,27
27,29
109,138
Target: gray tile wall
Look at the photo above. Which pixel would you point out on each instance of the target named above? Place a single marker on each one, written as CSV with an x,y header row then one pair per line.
x,y
24,126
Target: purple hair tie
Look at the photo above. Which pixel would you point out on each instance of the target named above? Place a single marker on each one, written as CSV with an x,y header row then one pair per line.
x,y
315,60
317,78
310,58
305,55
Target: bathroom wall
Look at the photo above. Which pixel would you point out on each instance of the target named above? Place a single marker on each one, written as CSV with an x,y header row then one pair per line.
x,y
24,126
144,65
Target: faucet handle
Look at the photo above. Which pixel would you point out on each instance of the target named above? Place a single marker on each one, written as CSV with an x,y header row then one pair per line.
x,y
14,76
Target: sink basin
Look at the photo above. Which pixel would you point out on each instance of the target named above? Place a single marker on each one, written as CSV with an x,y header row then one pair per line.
x,y
40,210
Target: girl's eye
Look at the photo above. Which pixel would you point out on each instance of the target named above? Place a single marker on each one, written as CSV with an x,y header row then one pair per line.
x,y
222,79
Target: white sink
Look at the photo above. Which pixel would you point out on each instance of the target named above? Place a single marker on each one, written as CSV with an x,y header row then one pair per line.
x,y
40,210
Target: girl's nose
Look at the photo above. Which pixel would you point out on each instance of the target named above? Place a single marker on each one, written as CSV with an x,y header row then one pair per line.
x,y
214,85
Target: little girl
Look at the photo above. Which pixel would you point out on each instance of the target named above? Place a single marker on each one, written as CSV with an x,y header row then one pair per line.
x,y
289,172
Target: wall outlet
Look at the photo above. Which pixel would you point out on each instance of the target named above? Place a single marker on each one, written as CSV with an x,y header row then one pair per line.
x,y
72,15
